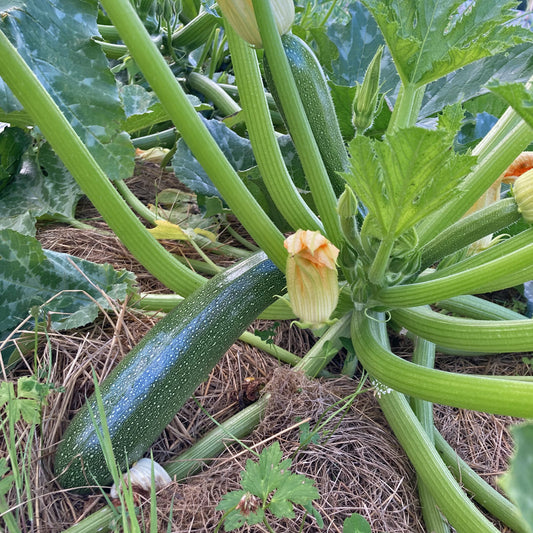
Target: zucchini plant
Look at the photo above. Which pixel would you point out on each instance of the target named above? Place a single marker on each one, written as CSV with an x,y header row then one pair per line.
x,y
390,201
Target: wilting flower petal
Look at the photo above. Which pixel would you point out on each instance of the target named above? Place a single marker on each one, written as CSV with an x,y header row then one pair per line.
x,y
312,279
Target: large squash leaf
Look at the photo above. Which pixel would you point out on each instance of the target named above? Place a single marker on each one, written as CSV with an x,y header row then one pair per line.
x,y
68,292
42,187
55,38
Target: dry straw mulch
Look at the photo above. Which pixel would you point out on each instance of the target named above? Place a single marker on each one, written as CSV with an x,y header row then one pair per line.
x,y
356,465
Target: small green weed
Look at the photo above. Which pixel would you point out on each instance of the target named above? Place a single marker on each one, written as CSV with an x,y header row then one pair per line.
x,y
267,485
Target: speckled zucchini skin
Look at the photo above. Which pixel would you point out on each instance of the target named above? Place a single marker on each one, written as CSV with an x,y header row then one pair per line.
x,y
148,387
318,104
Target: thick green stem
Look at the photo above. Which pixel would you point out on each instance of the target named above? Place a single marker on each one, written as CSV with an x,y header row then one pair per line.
x,y
166,139
474,307
196,32
505,141
262,136
470,229
94,183
270,348
378,269
193,130
298,124
209,88
279,310
467,334
424,355
406,108
325,348
489,498
498,395
499,267
417,442
452,501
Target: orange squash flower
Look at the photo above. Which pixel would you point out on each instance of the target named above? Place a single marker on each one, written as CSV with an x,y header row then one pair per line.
x,y
312,279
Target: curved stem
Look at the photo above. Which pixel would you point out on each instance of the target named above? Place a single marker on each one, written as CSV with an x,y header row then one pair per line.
x,y
505,265
196,32
482,492
298,124
470,229
498,395
474,307
92,180
424,355
213,92
467,334
262,136
452,501
166,139
498,149
417,443
193,130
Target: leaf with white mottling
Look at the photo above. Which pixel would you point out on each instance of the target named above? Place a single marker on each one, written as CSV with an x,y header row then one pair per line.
x,y
55,38
42,187
31,276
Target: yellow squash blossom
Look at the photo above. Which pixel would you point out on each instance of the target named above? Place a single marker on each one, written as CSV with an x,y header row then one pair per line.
x,y
312,277
523,194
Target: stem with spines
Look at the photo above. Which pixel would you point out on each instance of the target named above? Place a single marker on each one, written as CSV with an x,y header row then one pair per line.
x,y
492,395
467,334
424,355
431,470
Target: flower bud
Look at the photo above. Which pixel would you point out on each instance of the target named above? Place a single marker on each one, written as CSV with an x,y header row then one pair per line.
x,y
240,14
312,277
366,95
523,194
347,204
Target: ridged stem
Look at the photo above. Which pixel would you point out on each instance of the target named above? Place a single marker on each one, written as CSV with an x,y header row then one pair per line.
x,y
406,108
504,265
193,130
467,334
417,443
262,136
166,139
490,499
452,501
424,355
209,88
474,307
196,32
497,396
470,229
301,132
498,149
88,174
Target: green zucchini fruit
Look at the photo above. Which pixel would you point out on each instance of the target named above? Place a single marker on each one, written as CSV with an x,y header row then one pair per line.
x,y
149,386
318,105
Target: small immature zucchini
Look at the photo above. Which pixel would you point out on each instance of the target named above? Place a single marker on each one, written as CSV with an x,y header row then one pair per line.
x,y
318,104
148,387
